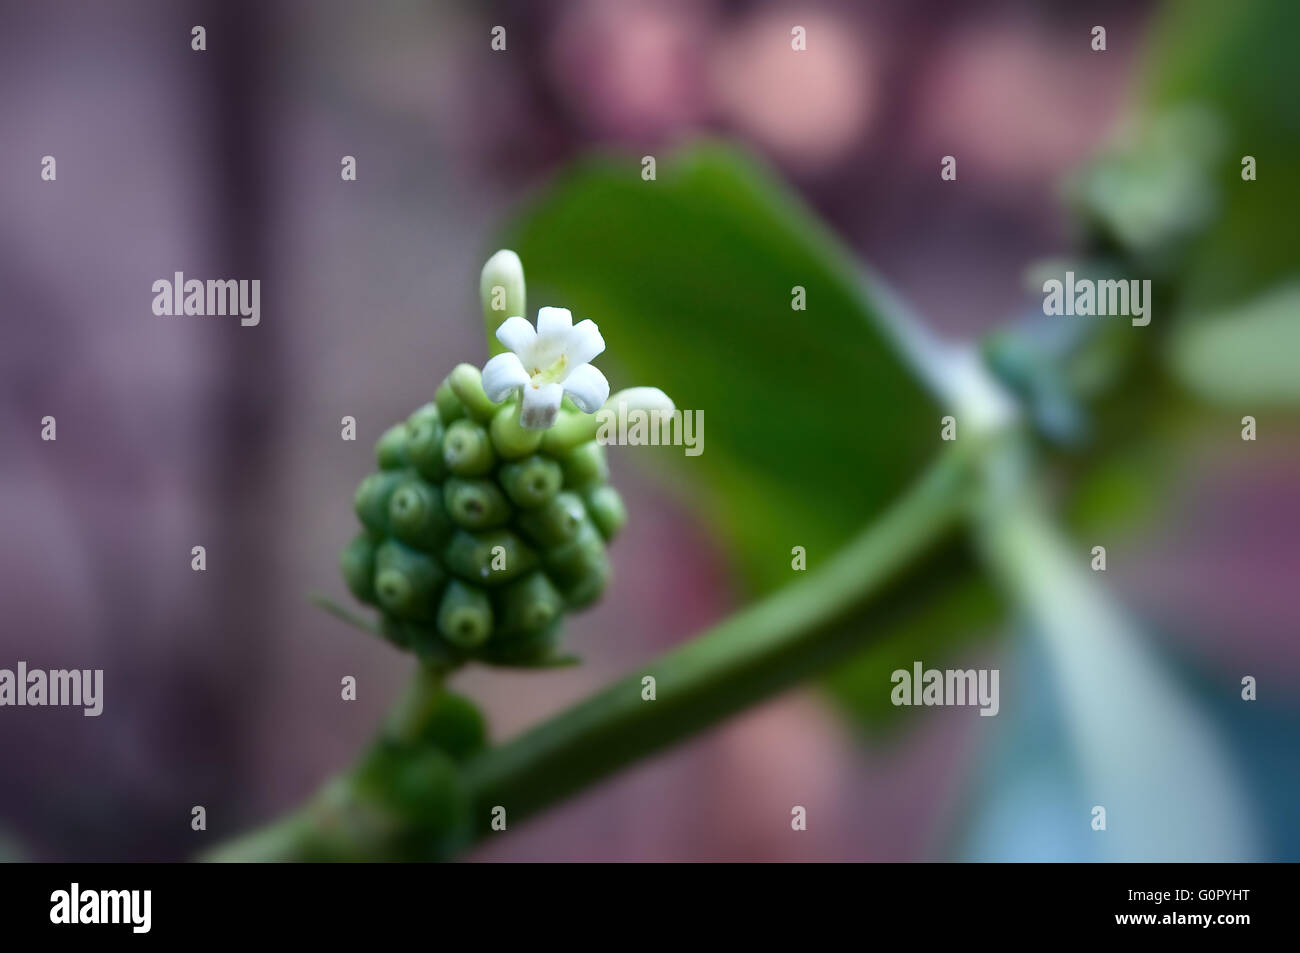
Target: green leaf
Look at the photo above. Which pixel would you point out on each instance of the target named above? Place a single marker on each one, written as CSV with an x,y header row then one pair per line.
x,y
1169,202
813,421
1245,357
1239,63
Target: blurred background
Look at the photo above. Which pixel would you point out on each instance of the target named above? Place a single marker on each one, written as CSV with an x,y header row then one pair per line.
x,y
222,687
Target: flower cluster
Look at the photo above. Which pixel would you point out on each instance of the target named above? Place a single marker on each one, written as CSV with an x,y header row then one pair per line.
x,y
478,535
488,517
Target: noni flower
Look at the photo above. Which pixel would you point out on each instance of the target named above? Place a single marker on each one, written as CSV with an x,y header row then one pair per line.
x,y
545,364
489,517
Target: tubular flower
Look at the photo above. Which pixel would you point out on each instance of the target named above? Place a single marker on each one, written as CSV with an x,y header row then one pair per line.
x,y
545,364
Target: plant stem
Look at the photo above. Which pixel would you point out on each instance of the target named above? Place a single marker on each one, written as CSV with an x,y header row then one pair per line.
x,y
277,842
771,645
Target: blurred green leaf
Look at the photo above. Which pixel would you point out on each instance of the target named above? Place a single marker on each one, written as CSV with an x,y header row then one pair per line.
x,y
1239,61
813,422
1168,201
1247,356
1155,189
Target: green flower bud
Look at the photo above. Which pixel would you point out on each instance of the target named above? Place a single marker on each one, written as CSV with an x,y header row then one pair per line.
x,y
424,448
358,564
424,412
422,809
422,639
571,429
502,291
417,517
585,464
467,450
593,583
556,523
607,510
529,605
428,714
390,450
580,569
511,439
476,503
371,500
464,616
407,582
455,725
466,382
530,650
449,406
531,482
424,784
490,558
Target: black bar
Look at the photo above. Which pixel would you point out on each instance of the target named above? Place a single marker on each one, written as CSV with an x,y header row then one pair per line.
x,y
984,902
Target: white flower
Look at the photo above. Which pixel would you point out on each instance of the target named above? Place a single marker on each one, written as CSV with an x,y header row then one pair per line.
x,y
546,364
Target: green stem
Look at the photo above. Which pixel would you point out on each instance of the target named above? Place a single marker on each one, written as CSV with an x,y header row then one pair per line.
x,y
294,837
775,643
278,842
412,709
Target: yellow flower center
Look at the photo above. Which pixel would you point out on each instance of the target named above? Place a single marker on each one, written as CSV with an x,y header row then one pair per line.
x,y
553,374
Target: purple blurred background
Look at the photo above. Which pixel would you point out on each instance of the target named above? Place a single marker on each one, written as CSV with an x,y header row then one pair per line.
x,y
221,688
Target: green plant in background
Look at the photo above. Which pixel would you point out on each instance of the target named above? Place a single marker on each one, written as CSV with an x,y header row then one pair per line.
x,y
915,547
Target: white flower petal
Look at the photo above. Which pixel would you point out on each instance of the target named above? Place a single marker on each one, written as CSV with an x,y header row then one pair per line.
x,y
503,374
642,398
588,387
554,320
541,404
517,334
583,343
